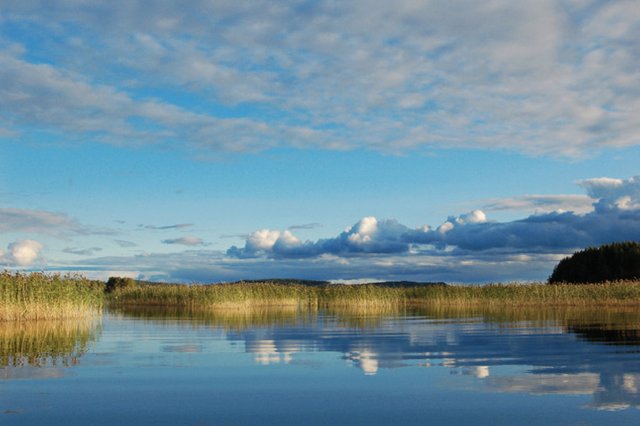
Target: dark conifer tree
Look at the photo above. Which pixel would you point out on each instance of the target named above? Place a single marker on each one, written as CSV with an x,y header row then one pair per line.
x,y
610,262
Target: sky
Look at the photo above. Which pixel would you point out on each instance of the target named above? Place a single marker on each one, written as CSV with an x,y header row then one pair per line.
x,y
210,141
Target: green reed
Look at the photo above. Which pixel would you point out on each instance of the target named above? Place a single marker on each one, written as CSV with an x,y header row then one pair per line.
x,y
619,293
27,296
245,295
239,295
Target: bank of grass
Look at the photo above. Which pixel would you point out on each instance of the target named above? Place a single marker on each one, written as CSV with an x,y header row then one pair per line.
x,y
237,295
246,295
617,293
38,296
42,296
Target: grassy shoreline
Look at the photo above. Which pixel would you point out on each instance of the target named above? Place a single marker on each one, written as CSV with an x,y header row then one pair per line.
x,y
246,295
43,296
37,296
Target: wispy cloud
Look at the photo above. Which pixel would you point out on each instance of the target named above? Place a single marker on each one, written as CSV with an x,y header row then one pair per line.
x,y
166,227
313,225
82,252
546,77
541,203
44,222
189,240
125,243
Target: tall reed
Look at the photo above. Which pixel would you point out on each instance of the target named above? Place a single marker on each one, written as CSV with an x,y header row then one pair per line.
x,y
245,295
26,296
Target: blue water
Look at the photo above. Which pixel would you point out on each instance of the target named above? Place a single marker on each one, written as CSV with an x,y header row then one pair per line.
x,y
329,368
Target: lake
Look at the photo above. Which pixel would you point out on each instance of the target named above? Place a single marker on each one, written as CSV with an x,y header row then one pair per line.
x,y
290,366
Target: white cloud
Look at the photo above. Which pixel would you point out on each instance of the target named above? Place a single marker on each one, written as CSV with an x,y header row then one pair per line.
x,y
21,253
623,194
264,239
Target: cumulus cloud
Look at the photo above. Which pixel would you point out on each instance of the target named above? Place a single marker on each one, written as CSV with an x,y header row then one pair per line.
x,y
614,193
21,253
369,235
544,77
188,240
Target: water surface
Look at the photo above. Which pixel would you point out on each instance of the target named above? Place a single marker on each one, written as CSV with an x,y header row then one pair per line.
x,y
326,367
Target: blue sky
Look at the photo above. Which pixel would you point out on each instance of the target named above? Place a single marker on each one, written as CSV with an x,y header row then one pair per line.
x,y
220,140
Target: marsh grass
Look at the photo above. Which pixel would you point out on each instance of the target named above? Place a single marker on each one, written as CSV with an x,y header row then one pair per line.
x,y
223,296
371,296
619,293
36,296
46,343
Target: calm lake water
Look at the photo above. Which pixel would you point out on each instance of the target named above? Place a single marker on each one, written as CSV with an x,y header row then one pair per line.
x,y
328,367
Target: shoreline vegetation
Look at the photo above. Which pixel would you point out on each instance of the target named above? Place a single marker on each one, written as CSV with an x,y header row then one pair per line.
x,y
244,295
35,296
39,296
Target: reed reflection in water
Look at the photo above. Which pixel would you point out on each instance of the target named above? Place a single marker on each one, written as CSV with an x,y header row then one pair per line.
x,y
44,344
554,351
343,365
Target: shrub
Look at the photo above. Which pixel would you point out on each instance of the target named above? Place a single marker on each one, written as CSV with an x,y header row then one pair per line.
x,y
610,262
119,283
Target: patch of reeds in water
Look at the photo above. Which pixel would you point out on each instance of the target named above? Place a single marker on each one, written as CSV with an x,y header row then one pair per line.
x,y
245,295
619,293
36,296
46,343
226,296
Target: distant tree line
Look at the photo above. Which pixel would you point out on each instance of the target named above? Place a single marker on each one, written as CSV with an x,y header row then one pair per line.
x,y
610,262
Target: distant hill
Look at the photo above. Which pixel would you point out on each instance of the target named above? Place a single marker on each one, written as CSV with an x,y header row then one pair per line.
x,y
284,281
408,283
120,282
610,262
321,283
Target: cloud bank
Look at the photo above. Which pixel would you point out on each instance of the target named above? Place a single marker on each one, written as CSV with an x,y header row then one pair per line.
x,y
466,248
615,216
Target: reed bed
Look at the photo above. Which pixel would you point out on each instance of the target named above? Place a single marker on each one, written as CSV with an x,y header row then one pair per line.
x,y
38,296
225,296
618,293
372,296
